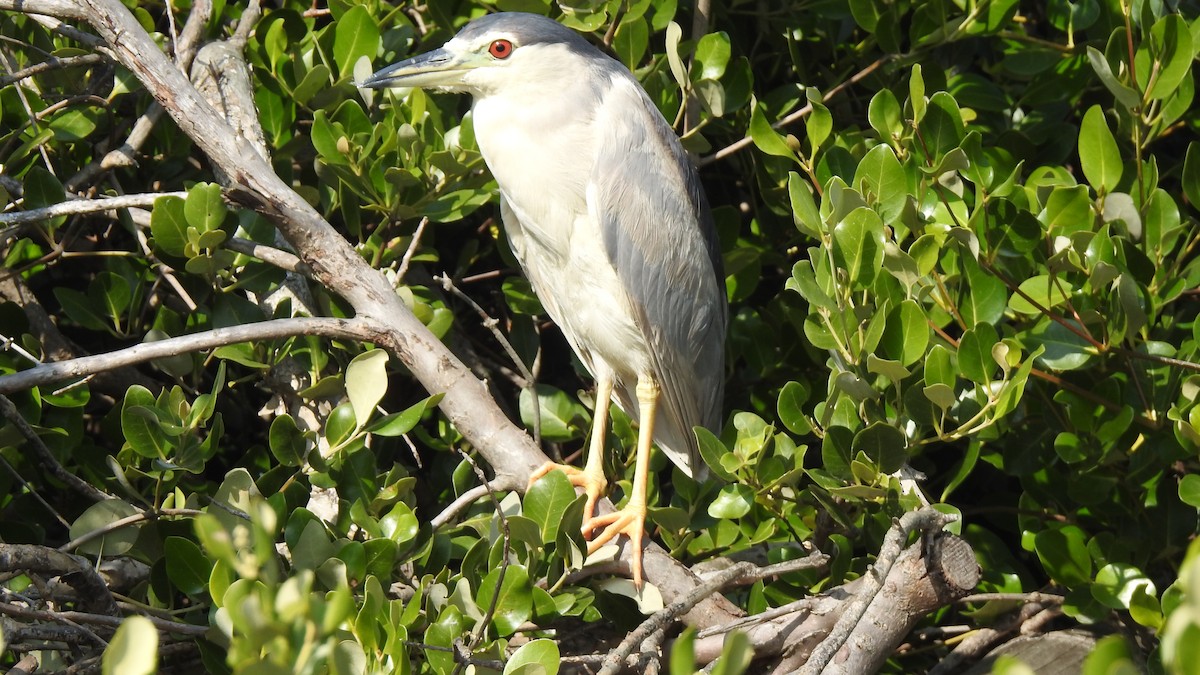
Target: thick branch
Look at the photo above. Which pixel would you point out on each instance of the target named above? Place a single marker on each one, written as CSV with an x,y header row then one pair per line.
x,y
76,572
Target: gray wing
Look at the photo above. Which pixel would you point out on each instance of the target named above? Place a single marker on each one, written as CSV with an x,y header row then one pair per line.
x,y
659,235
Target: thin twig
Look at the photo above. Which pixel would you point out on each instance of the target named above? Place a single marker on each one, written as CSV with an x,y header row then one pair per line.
x,y
492,325
614,662
9,411
458,505
798,114
30,489
52,63
412,248
97,619
354,329
481,628
123,522
78,206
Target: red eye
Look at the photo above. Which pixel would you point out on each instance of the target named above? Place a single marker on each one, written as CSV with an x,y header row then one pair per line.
x,y
500,49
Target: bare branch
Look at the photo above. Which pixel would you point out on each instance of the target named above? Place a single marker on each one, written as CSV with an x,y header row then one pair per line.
x,y
52,63
284,260
59,9
354,329
75,571
79,206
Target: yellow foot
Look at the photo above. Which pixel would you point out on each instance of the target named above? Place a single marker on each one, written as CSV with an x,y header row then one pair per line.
x,y
630,521
593,486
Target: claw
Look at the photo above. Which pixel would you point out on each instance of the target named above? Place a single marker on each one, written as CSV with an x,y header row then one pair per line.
x,y
630,521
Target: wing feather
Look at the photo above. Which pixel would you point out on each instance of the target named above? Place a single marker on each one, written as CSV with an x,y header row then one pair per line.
x,y
659,236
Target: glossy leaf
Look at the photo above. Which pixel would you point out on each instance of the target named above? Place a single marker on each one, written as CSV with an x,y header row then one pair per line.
x,y
366,383
1098,154
512,595
1064,553
858,246
536,657
355,34
133,649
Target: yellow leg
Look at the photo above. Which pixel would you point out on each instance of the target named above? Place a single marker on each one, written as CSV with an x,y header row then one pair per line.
x,y
591,477
631,520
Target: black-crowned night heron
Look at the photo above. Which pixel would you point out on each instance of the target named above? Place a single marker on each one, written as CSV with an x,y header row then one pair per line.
x,y
610,223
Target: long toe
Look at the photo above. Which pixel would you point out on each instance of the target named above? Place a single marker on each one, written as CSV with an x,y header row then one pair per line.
x,y
628,521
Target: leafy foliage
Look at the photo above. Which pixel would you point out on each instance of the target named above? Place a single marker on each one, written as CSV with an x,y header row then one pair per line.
x,y
970,249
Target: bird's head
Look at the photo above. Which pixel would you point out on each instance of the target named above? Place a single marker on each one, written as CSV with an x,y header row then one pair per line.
x,y
489,54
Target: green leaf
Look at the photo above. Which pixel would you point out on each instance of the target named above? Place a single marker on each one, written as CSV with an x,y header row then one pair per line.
x,y
683,653
203,208
519,296
1064,349
140,424
885,116
561,417
713,450
1189,490
1168,55
1125,95
398,424
975,353
1116,583
736,654
804,209
1098,154
906,335
366,383
765,138
818,125
987,296
792,397
537,657
712,53
315,80
1110,655
1063,552
286,440
514,599
133,649
858,246
865,13
100,516
80,308
916,93
355,34
733,501
187,566
1047,291
674,58
400,524
1191,174
804,281
327,138
546,502
73,124
168,225
884,444
939,367
882,181
630,42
